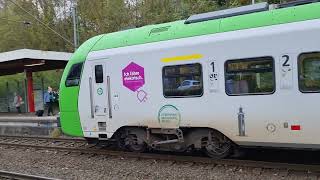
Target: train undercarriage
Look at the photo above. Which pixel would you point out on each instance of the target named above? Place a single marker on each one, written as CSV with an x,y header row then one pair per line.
x,y
139,139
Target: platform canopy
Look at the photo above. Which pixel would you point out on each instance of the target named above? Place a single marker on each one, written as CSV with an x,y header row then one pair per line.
x,y
18,61
29,61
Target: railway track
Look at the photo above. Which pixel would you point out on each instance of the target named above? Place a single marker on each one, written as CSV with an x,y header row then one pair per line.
x,y
19,176
80,146
3,137
34,141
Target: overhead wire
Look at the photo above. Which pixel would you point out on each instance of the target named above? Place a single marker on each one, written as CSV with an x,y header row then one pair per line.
x,y
17,21
42,23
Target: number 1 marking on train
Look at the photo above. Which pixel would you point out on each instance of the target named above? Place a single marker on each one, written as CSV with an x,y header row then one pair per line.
x,y
212,64
213,77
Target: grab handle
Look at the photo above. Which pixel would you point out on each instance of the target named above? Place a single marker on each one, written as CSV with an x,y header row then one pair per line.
x,y
91,98
109,97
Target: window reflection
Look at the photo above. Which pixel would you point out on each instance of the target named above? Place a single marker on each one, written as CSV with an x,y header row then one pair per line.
x,y
182,80
309,72
250,76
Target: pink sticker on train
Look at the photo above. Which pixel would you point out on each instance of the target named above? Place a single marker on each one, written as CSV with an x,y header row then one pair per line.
x,y
133,76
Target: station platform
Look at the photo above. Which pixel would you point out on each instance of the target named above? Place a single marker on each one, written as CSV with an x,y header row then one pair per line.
x,y
15,124
10,114
27,117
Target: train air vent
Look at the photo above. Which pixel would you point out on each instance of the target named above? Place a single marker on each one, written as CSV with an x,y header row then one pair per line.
x,y
228,13
296,3
159,30
102,126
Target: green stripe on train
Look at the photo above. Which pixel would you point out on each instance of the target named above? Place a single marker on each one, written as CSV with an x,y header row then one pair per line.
x,y
168,31
178,29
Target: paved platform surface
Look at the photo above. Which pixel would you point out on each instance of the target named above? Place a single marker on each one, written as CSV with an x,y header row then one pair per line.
x,y
23,114
17,114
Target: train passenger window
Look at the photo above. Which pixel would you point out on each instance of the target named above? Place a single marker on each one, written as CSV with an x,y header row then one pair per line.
x,y
250,76
98,70
182,80
73,78
309,72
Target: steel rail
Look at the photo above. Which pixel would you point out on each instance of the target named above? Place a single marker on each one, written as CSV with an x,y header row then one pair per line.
x,y
179,158
43,138
19,176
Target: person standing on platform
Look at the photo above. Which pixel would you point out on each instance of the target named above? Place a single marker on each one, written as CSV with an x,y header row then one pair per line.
x,y
17,101
48,99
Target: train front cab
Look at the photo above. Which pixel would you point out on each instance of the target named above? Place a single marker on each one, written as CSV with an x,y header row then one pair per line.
x,y
69,90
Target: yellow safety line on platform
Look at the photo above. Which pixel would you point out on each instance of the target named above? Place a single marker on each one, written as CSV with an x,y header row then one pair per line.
x,y
182,58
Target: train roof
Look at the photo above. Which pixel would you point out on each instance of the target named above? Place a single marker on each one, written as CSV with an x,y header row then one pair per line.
x,y
211,23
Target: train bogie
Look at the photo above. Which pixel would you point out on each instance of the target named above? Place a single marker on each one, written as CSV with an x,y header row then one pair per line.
x,y
139,139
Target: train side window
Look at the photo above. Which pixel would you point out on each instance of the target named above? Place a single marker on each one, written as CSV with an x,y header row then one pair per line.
x,y
182,80
309,72
251,76
73,78
98,70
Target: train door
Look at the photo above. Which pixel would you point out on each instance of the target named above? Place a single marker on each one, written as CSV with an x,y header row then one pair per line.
x,y
99,89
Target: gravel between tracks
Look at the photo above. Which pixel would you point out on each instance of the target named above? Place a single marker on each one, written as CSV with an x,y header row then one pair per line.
x,y
64,165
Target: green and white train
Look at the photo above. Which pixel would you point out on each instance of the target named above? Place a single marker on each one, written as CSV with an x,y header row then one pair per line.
x,y
247,76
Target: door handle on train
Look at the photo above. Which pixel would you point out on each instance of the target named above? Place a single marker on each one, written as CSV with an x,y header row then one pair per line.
x,y
109,97
91,98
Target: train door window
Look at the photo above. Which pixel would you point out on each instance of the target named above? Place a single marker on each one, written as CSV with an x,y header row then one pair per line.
x,y
73,78
309,72
250,76
98,70
182,80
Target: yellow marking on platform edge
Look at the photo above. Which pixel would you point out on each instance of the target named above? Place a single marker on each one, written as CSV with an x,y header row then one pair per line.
x,y
182,58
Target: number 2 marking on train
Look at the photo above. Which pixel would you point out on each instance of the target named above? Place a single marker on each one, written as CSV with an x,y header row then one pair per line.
x,y
285,63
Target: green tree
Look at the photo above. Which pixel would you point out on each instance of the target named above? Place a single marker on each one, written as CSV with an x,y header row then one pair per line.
x,y
95,17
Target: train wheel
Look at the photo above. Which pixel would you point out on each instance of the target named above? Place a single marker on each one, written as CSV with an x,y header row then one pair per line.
x,y
120,140
218,146
134,144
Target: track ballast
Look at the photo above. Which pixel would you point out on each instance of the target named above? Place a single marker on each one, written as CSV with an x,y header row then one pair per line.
x,y
80,146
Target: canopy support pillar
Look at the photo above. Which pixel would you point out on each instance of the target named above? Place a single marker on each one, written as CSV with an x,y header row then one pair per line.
x,y
30,94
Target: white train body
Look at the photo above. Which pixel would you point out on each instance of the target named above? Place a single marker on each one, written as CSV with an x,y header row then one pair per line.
x,y
285,117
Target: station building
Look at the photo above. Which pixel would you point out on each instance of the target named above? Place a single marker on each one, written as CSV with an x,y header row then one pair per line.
x,y
27,61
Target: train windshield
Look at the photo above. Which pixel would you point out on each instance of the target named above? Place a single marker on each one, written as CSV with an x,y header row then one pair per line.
x,y
73,78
